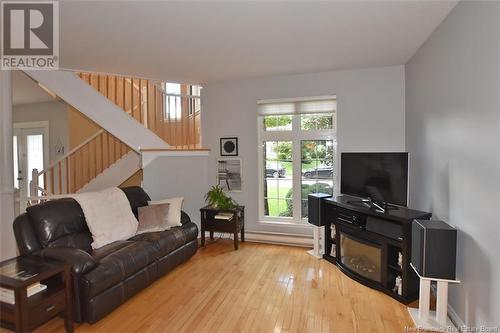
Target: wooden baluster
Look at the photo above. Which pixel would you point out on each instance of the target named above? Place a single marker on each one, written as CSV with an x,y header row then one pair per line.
x,y
52,181
116,89
111,155
151,107
191,121
72,170
92,162
166,119
76,174
59,177
155,115
67,173
132,98
109,91
117,149
171,124
150,124
186,121
98,154
102,152
141,104
184,115
88,163
123,93
45,185
159,122
85,164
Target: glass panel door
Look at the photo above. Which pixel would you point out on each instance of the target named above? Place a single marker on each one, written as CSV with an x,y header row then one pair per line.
x,y
278,179
17,170
29,148
34,155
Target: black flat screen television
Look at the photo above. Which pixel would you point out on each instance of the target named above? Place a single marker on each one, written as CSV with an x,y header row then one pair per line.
x,y
381,177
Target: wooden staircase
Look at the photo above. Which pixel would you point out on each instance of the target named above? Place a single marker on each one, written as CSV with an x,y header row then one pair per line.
x,y
145,101
149,103
79,166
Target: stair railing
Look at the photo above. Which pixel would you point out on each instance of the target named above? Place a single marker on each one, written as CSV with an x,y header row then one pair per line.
x,y
79,166
173,117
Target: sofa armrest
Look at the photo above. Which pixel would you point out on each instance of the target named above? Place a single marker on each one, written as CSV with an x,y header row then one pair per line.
x,y
185,218
80,261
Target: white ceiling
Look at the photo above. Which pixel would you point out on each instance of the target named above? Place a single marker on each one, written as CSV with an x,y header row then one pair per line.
x,y
25,90
201,42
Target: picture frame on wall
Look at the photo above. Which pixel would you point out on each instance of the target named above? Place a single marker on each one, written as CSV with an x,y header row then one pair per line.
x,y
229,174
229,146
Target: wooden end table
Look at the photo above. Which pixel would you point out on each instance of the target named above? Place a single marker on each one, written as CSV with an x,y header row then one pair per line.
x,y
28,313
235,225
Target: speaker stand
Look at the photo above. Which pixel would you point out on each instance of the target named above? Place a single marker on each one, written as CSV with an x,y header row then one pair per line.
x,y
422,318
318,242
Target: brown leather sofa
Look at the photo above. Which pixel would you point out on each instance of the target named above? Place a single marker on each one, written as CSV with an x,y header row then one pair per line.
x,y
106,277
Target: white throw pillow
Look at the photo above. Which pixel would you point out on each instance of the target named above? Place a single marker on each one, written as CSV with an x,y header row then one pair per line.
x,y
108,215
153,218
174,210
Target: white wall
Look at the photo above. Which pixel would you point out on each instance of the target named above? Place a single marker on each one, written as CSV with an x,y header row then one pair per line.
x,y
370,118
452,133
178,176
56,113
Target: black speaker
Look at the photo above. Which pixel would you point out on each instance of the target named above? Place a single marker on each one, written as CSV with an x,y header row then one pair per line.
x,y
434,249
314,208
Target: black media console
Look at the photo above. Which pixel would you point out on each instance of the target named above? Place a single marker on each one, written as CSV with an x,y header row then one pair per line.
x,y
371,246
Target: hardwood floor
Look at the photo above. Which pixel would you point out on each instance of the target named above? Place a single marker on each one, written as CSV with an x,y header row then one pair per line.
x,y
259,288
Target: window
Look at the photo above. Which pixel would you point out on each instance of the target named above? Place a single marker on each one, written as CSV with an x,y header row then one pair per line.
x,y
297,156
194,99
173,105
176,99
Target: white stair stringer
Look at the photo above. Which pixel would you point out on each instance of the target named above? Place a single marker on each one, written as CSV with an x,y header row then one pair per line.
x,y
77,93
115,174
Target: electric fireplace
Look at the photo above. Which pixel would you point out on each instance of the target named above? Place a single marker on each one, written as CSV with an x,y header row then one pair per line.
x,y
361,256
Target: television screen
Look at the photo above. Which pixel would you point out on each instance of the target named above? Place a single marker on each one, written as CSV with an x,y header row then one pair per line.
x,y
378,176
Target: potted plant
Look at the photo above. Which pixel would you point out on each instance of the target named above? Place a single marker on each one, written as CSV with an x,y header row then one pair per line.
x,y
216,198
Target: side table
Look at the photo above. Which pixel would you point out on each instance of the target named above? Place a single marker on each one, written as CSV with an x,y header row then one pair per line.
x,y
29,312
234,225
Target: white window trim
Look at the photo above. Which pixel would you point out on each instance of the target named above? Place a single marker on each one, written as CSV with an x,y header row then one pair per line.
x,y
296,135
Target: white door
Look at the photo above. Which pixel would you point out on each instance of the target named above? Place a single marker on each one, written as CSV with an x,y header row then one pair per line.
x,y
30,152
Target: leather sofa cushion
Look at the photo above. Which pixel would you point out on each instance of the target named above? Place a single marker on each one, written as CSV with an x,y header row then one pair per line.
x,y
169,240
106,250
60,223
115,263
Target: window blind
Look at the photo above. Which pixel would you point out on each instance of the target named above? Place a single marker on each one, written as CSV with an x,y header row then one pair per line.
x,y
324,104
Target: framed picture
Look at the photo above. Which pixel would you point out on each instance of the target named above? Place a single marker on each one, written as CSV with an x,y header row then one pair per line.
x,y
229,174
229,147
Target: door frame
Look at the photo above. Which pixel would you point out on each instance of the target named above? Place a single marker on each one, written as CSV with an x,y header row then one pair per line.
x,y
46,143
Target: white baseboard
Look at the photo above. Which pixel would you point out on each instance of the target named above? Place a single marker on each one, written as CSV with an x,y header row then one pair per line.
x,y
455,318
452,314
277,238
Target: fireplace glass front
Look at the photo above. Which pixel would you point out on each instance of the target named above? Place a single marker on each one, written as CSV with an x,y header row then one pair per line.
x,y
361,258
